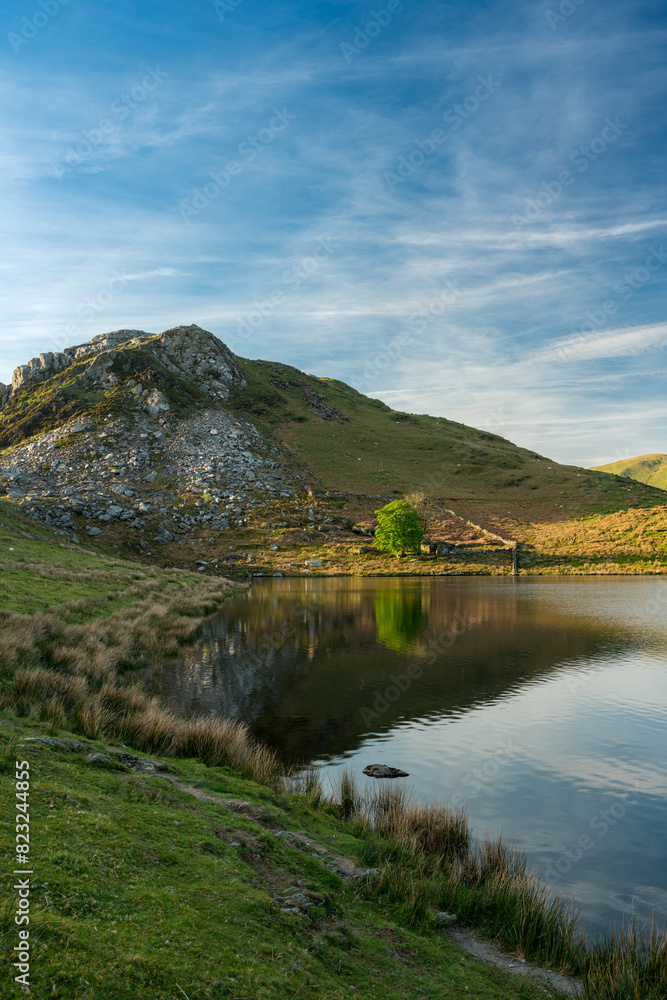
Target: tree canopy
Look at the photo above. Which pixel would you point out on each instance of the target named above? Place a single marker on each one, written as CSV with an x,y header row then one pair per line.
x,y
399,529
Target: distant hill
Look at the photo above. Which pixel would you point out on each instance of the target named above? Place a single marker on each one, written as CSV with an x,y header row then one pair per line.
x,y
649,469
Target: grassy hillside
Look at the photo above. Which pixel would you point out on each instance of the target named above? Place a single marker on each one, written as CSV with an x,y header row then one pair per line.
x,y
649,469
351,454
371,449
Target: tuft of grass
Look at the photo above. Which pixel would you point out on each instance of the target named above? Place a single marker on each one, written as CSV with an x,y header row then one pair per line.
x,y
348,795
628,964
427,862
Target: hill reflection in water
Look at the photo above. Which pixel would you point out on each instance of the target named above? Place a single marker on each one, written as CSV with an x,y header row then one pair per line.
x,y
309,663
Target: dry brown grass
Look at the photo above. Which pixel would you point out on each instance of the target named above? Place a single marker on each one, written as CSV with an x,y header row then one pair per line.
x,y
388,811
606,543
65,671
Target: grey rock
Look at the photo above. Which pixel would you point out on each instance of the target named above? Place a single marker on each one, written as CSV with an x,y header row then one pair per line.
x,y
156,404
98,758
384,771
94,531
446,918
60,744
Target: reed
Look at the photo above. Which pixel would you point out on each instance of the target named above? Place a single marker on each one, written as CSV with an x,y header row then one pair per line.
x,y
347,795
427,861
628,964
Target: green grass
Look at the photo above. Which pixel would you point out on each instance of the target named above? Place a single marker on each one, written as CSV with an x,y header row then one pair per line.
x,y
41,573
139,892
649,469
377,450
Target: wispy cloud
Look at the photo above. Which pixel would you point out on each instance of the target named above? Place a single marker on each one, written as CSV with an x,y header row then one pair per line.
x,y
607,344
499,352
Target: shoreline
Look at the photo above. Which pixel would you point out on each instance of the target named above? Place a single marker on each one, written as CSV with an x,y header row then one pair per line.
x,y
308,862
81,621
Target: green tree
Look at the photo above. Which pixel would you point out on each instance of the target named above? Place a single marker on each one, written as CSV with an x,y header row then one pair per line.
x,y
399,528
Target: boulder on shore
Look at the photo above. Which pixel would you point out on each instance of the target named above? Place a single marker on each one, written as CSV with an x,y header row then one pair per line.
x,y
384,771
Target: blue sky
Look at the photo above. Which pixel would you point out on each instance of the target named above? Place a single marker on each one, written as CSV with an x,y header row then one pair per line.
x,y
456,207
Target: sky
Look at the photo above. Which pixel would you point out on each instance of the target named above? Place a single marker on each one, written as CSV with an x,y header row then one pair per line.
x,y
458,208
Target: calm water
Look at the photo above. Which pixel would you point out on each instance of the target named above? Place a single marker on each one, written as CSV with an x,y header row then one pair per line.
x,y
539,704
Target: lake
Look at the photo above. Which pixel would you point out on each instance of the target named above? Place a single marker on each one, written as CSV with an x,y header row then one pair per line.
x,y
539,704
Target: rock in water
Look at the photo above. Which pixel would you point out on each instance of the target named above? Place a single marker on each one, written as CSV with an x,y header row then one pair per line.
x,y
384,771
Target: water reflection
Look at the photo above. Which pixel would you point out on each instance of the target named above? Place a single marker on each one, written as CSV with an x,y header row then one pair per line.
x,y
311,665
399,618
539,704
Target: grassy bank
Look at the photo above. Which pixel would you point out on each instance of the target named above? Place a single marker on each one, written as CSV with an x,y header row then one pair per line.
x,y
70,662
143,891
159,879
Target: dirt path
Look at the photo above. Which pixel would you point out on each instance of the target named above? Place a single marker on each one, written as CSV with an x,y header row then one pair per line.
x,y
488,951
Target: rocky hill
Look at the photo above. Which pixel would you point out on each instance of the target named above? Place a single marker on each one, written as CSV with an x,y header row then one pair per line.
x,y
123,427
147,440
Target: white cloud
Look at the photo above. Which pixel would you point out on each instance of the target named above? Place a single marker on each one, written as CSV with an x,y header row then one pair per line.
x,y
605,344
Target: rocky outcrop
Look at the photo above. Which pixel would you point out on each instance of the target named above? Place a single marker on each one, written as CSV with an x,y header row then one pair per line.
x,y
189,350
203,356
50,362
156,404
158,466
